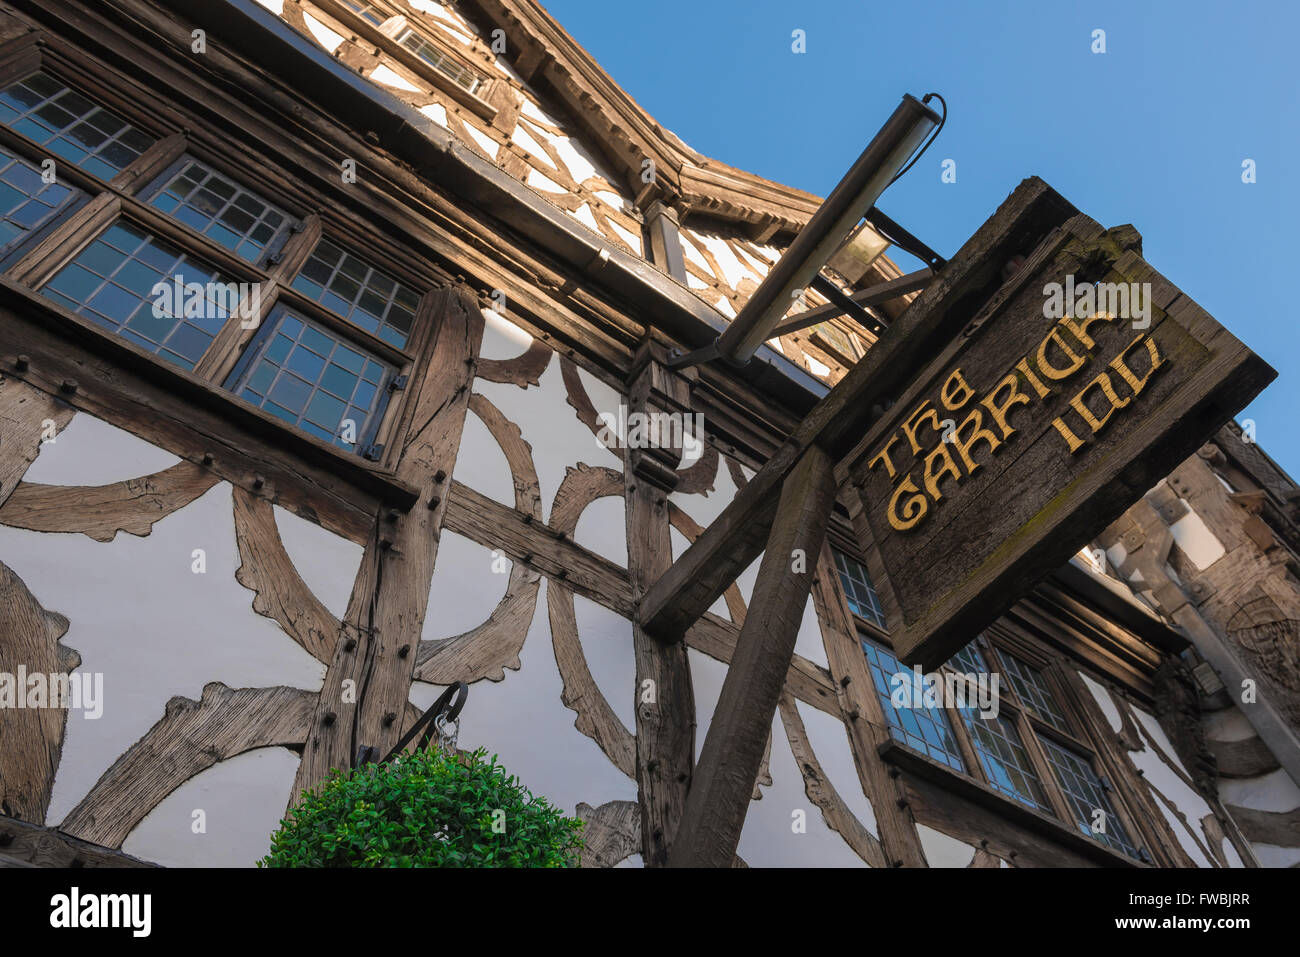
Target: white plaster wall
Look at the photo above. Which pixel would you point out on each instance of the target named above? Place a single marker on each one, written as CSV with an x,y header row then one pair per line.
x,y
468,583
942,850
829,738
243,800
140,615
523,720
1197,542
549,424
607,646
327,563
768,839
89,451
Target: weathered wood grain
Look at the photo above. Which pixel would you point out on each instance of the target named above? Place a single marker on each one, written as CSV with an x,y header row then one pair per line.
x,y
190,737
733,748
822,793
580,693
278,590
31,738
26,415
369,677
30,845
612,832
133,506
664,692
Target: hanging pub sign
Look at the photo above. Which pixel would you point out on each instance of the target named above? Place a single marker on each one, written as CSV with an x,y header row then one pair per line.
x,y
1084,379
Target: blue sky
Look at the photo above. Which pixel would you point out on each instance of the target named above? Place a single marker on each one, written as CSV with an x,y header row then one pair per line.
x,y
1153,132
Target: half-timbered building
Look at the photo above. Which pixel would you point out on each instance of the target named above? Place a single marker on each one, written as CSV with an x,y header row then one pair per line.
x,y
425,262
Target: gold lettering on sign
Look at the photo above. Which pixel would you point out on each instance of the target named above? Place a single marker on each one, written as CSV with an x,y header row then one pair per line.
x,y
1065,349
977,434
932,475
1023,368
915,507
1114,403
1120,366
1014,397
883,455
1049,370
955,385
915,419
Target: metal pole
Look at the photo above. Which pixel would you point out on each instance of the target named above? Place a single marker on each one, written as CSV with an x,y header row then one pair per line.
x,y
856,193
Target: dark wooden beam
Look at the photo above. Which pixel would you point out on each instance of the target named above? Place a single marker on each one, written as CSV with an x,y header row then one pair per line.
x,y
30,845
839,420
665,698
876,295
723,784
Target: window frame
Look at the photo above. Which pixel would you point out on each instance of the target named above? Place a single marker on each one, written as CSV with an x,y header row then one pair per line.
x,y
385,35
36,259
1002,637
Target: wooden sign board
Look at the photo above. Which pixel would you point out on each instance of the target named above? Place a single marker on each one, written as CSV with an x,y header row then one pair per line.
x,y
1082,382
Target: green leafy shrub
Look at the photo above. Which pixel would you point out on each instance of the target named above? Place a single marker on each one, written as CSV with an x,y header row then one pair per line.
x,y
427,809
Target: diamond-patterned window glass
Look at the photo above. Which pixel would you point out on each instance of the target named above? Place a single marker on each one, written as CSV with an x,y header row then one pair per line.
x,y
969,661
1003,757
49,112
1032,689
861,594
358,292
367,10
1087,796
114,283
313,379
440,61
212,204
920,728
26,200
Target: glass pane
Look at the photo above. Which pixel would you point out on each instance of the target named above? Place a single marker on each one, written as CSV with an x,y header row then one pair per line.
x,y
1094,813
147,290
46,110
861,594
306,375
360,293
26,200
921,728
212,204
1032,689
1004,759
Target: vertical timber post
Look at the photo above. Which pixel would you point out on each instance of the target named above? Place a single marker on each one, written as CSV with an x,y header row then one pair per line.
x,y
733,748
665,698
364,697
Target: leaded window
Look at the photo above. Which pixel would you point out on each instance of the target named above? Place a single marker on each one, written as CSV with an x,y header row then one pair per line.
x,y
861,594
27,201
921,728
127,281
445,64
229,214
360,293
367,11
969,661
1086,793
1004,759
49,112
314,379
1031,687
